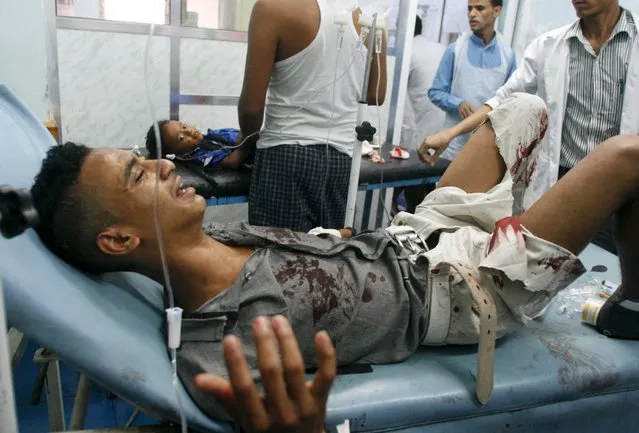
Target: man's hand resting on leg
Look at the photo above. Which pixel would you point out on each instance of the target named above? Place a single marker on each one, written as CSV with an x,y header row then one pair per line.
x,y
290,404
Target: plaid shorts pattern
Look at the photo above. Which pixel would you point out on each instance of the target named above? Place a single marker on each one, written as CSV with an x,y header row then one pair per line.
x,y
299,187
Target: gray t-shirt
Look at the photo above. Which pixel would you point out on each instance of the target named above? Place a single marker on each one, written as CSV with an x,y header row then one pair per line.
x,y
363,291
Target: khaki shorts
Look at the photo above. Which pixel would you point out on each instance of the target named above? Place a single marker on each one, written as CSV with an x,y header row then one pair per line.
x,y
522,272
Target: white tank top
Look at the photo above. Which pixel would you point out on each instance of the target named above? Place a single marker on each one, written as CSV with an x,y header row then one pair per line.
x,y
306,80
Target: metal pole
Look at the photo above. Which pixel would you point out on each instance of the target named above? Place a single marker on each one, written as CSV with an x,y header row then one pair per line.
x,y
403,52
515,25
508,21
174,60
55,404
8,421
17,344
53,387
357,145
441,25
80,404
53,78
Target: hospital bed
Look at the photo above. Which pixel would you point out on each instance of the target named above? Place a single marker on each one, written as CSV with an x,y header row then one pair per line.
x,y
222,187
556,375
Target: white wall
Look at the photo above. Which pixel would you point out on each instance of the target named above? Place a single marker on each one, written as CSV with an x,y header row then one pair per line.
x,y
534,18
102,87
87,8
101,76
23,63
102,94
211,67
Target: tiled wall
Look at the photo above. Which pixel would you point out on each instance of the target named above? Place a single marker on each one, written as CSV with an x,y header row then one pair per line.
x,y
211,67
102,87
207,116
102,77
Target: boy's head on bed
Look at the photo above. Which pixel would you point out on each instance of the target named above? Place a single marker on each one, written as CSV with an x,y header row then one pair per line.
x,y
177,138
96,208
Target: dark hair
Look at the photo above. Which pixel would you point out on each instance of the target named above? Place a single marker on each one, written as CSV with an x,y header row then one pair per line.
x,y
70,216
151,142
496,3
418,26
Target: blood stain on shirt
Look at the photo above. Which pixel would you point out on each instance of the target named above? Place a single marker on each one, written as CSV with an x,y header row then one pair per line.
x,y
326,290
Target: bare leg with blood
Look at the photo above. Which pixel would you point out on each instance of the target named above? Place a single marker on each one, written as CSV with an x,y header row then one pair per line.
x,y
574,210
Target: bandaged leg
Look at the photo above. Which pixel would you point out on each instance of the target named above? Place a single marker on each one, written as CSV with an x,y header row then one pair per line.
x,y
574,209
500,159
506,146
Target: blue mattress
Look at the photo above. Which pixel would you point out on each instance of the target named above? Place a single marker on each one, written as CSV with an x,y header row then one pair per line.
x,y
555,375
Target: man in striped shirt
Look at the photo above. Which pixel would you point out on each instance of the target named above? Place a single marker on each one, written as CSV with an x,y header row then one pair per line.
x,y
598,70
593,56
595,93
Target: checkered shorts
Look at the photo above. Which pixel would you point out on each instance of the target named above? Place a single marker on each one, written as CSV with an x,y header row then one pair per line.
x,y
299,187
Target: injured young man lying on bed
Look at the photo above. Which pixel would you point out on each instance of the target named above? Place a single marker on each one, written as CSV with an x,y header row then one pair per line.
x,y
484,270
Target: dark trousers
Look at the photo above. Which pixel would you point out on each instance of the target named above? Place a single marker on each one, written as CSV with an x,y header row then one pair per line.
x,y
299,187
414,195
605,238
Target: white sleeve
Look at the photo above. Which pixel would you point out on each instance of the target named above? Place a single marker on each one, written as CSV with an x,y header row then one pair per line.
x,y
524,79
344,427
319,231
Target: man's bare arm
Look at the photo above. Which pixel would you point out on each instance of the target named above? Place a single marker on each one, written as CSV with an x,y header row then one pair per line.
x,y
372,97
263,37
434,145
472,122
235,160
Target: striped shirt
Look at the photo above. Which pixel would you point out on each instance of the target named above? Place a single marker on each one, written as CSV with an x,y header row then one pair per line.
x,y
595,93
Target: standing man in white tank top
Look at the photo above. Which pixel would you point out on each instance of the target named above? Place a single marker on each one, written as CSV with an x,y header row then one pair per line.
x,y
303,160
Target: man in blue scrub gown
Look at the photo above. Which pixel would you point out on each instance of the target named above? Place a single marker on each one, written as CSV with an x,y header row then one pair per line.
x,y
472,69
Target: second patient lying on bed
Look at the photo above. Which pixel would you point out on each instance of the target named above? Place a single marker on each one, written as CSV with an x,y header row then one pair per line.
x,y
215,149
376,300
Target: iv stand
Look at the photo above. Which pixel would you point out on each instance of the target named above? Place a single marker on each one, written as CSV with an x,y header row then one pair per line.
x,y
365,131
16,215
